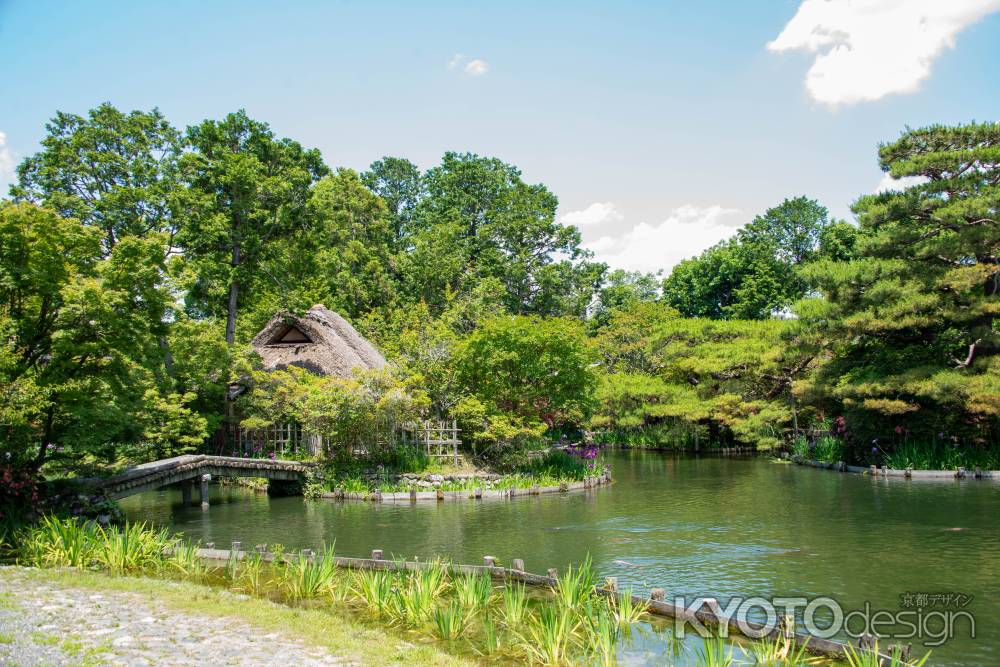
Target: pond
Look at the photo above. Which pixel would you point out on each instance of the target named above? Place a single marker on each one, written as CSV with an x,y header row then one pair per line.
x,y
696,526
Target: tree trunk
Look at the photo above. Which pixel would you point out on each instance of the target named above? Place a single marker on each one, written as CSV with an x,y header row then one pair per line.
x,y
234,292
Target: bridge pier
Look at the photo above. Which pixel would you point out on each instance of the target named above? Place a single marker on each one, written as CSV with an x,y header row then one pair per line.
x,y
187,486
205,479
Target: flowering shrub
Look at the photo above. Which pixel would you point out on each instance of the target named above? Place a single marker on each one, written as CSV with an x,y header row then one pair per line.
x,y
19,495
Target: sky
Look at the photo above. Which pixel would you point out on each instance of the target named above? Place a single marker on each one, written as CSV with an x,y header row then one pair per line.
x,y
662,126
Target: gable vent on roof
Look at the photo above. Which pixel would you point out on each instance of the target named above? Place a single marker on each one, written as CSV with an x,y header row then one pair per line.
x,y
289,335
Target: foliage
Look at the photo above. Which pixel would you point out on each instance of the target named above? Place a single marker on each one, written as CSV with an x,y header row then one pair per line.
x,y
538,370
907,326
351,414
247,189
115,172
753,274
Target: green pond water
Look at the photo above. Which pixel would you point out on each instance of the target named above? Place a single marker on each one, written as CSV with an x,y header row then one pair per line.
x,y
718,527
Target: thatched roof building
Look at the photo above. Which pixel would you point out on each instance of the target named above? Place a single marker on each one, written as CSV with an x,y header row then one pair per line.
x,y
320,341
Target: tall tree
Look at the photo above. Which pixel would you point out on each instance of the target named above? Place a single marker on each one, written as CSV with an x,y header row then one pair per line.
x,y
249,190
80,340
480,220
399,183
753,275
910,322
793,228
111,170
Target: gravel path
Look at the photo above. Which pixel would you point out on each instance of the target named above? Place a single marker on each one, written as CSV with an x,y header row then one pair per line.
x,y
47,624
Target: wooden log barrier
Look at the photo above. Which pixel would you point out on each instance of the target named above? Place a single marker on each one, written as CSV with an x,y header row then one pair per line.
x,y
710,614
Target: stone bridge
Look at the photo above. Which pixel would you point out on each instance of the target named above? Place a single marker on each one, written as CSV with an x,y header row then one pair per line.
x,y
186,469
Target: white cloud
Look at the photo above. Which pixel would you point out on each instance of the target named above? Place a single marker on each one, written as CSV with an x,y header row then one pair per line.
x,y
477,67
595,214
867,49
474,67
887,182
686,232
6,158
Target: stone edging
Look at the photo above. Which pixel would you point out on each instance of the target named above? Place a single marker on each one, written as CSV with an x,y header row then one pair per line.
x,y
908,473
475,494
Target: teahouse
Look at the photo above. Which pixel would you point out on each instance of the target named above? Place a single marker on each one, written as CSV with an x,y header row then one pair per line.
x,y
320,341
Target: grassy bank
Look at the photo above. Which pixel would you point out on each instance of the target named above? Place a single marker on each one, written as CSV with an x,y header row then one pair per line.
x,y
348,637
944,454
383,617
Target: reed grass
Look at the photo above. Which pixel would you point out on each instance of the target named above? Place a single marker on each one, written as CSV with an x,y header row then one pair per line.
x,y
576,585
857,657
714,652
551,635
780,651
309,578
450,622
515,604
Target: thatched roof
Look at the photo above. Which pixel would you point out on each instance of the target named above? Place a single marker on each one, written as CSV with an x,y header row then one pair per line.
x,y
320,341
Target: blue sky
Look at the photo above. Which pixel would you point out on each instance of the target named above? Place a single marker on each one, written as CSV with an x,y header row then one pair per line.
x,y
661,126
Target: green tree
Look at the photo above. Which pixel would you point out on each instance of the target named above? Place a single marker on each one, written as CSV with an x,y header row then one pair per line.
x,y
114,171
538,370
81,336
793,228
399,183
909,323
753,275
249,190
480,220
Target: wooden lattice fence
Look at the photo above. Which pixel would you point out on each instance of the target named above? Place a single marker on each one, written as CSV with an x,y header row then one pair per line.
x,y
438,438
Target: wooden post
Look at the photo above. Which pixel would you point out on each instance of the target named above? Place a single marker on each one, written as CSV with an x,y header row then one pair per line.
x,y
205,479
376,554
657,594
518,565
413,495
187,487
440,494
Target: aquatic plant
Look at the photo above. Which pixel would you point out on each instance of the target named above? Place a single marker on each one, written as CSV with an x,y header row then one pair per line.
x,y
56,542
576,585
551,635
780,651
307,578
473,590
251,577
184,559
416,595
133,547
450,622
625,611
604,633
714,652
375,589
515,604
858,657
491,637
